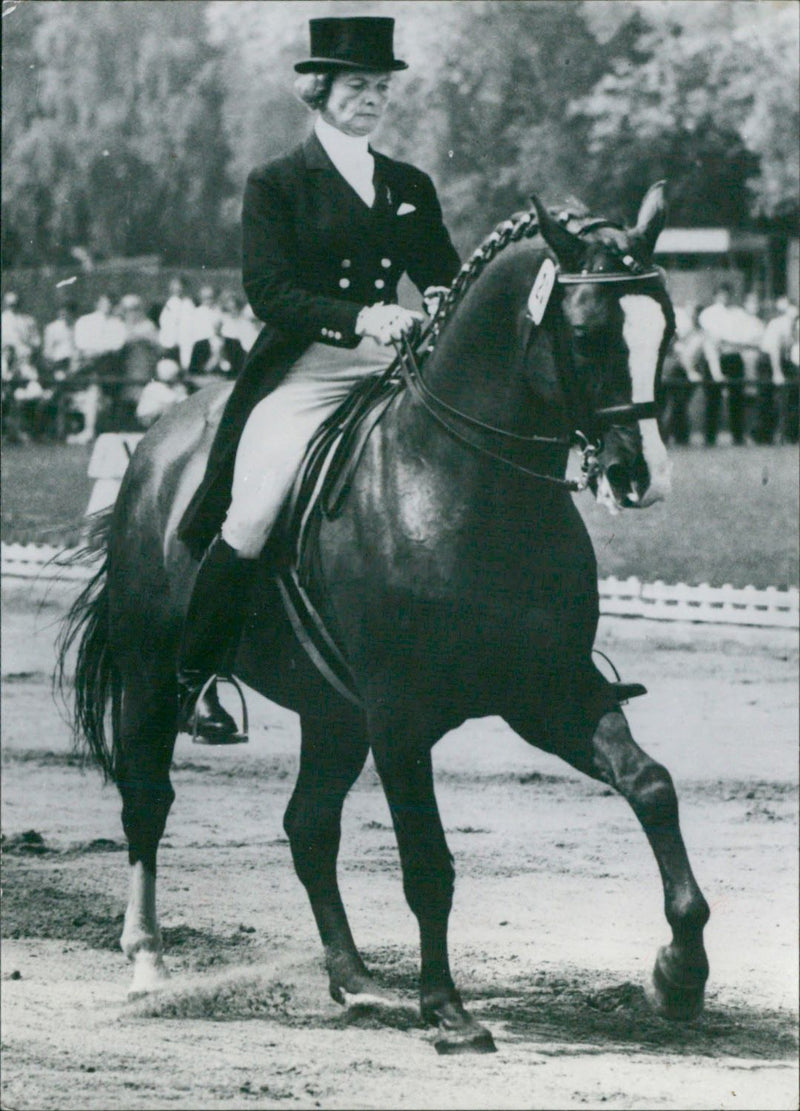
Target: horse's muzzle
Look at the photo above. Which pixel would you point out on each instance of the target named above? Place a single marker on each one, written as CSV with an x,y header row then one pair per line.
x,y
624,469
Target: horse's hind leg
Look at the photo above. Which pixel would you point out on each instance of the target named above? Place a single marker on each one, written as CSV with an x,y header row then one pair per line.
x,y
613,757
145,721
334,749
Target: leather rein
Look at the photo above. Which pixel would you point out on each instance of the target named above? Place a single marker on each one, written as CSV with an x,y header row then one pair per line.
x,y
444,414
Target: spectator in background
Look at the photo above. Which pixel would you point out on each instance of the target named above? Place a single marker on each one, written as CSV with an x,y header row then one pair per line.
x,y
22,391
140,354
239,327
59,352
206,316
59,363
162,393
176,324
778,377
99,332
19,331
731,343
99,337
683,371
219,356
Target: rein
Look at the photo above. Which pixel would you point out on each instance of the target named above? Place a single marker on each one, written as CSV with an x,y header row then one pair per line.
x,y
436,407
444,414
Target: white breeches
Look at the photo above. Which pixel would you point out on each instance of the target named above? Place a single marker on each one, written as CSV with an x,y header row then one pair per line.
x,y
278,430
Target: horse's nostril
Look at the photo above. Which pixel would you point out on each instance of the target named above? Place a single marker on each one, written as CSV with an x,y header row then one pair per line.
x,y
616,475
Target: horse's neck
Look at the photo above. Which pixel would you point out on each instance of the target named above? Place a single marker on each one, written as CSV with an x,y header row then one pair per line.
x,y
478,369
483,366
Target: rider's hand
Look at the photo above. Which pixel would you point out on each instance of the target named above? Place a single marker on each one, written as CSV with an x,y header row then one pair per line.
x,y
432,298
387,323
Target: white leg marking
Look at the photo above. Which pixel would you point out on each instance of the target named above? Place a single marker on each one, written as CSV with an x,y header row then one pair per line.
x,y
643,332
141,936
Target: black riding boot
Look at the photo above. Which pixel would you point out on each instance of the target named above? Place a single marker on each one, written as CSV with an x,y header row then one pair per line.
x,y
210,634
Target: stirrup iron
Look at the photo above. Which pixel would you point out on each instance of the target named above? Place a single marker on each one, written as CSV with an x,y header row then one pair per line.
x,y
235,738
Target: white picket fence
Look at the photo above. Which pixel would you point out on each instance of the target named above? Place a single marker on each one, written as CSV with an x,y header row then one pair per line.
x,y
722,605
725,605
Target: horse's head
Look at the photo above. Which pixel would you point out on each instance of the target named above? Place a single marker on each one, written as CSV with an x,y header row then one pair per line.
x,y
617,320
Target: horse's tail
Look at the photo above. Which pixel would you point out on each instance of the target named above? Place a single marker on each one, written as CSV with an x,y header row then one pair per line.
x,y
96,681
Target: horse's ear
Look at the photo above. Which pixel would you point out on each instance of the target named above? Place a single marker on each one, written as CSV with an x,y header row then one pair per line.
x,y
652,218
568,249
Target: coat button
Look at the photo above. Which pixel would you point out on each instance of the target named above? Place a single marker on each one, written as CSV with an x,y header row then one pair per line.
x,y
344,283
386,263
379,283
338,335
346,264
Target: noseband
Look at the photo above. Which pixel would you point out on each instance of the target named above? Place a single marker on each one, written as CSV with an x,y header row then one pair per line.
x,y
602,419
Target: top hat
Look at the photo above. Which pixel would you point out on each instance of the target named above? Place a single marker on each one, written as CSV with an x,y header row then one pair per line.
x,y
358,42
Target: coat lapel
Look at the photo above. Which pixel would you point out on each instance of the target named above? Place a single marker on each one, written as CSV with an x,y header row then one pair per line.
x,y
324,175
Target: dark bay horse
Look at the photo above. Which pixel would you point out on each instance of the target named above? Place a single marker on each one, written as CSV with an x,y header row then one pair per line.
x,y
460,582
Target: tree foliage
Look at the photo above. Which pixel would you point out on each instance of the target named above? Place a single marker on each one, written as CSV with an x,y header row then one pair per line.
x,y
112,137
129,128
709,98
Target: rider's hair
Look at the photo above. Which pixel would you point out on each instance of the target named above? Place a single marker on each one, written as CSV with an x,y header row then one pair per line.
x,y
314,89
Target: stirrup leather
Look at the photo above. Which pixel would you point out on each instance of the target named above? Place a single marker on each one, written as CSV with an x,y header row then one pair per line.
x,y
235,738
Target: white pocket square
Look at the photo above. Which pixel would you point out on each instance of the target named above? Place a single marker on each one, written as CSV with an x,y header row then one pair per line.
x,y
405,208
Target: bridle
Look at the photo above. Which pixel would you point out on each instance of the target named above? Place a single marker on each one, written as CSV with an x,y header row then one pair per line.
x,y
458,424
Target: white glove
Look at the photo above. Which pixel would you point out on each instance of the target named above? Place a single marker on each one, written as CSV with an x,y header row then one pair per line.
x,y
387,323
432,298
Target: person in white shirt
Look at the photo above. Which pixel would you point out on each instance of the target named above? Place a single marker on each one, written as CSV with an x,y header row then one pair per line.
x,y
778,387
22,390
19,331
731,345
206,317
98,332
731,329
99,336
175,324
162,393
58,349
683,371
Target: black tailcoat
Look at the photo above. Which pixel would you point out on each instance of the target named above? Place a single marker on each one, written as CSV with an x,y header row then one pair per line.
x,y
314,254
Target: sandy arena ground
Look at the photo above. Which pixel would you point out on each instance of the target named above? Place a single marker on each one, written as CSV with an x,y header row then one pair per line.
x,y
555,927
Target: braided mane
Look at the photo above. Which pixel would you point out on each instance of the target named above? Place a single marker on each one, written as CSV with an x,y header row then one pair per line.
x,y
523,225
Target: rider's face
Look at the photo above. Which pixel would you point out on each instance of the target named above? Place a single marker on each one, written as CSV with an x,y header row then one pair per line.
x,y
357,101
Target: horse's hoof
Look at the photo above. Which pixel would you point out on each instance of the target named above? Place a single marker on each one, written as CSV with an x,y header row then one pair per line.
x,y
458,1031
149,974
668,996
478,1040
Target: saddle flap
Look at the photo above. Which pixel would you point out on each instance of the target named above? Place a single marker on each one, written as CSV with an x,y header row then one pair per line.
x,y
330,462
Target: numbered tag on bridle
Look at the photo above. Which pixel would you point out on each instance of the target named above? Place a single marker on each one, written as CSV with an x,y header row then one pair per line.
x,y
542,288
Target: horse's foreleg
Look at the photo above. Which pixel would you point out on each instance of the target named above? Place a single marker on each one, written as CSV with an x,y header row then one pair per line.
x,y
146,724
681,968
428,879
332,756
